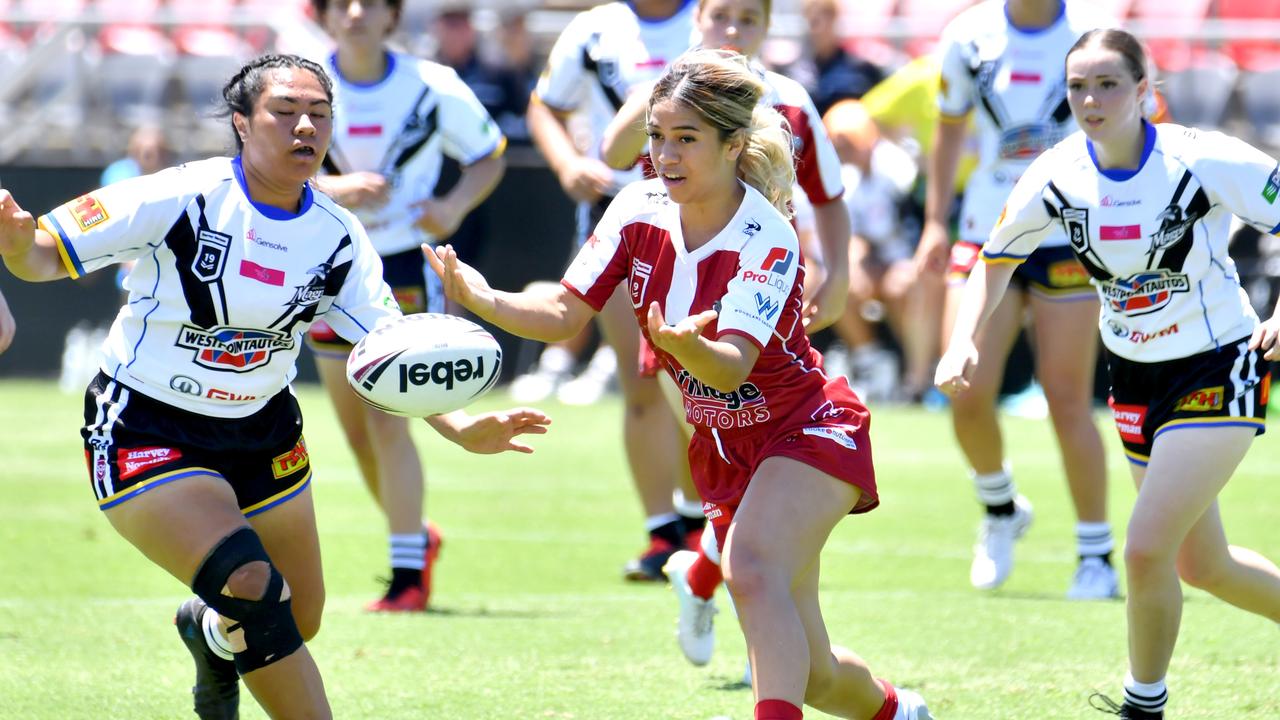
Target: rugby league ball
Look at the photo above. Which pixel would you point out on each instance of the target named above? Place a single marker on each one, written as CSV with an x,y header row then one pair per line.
x,y
424,364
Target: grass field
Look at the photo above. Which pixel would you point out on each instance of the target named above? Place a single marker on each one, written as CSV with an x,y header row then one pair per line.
x,y
531,618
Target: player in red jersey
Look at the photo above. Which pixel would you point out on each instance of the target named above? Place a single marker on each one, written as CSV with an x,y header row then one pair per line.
x,y
781,453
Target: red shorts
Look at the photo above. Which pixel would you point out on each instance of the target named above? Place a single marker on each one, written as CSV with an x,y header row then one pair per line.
x,y
836,442
649,365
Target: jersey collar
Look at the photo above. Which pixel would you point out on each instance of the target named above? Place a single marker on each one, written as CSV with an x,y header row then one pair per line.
x,y
337,72
1062,10
271,211
1122,174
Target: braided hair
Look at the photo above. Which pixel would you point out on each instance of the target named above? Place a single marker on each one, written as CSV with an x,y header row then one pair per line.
x,y
246,86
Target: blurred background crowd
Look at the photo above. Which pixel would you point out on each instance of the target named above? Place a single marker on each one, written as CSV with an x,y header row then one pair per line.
x,y
128,86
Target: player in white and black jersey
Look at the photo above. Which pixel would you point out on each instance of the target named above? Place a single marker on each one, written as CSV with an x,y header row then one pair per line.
x,y
396,119
192,434
1147,210
1003,61
600,58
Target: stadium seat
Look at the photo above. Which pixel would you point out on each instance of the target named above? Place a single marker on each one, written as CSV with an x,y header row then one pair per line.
x,y
1252,55
1198,95
925,19
1165,24
133,72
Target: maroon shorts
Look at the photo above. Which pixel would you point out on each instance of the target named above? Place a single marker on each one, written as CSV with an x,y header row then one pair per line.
x,y
834,439
649,365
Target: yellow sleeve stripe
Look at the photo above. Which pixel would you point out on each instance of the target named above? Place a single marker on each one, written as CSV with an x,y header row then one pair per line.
x,y
48,224
1002,259
953,119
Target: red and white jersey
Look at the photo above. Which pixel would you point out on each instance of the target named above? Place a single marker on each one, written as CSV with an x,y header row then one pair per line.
x,y
402,127
1016,80
751,273
817,164
1154,239
602,56
223,289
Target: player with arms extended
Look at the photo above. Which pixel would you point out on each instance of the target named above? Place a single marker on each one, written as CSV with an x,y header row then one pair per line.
x,y
1147,209
192,434
397,118
713,274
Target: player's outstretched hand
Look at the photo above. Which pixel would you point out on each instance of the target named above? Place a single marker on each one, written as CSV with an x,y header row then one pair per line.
x,y
17,226
495,432
462,283
955,368
679,337
1267,337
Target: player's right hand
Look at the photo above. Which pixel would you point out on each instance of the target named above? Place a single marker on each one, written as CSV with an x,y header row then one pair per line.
x,y
356,190
956,367
586,179
934,251
462,283
17,226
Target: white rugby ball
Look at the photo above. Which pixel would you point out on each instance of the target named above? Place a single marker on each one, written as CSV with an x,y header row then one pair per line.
x,y
424,364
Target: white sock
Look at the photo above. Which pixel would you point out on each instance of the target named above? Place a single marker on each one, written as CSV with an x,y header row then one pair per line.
x,y
213,636
995,488
1094,538
653,522
709,547
686,507
409,551
1150,697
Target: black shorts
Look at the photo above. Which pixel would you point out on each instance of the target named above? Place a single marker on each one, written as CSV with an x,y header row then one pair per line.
x,y
1052,273
414,285
1219,388
133,443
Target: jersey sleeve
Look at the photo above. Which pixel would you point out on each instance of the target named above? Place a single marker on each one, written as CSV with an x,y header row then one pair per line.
x,y
469,134
1242,178
364,301
818,165
117,223
602,262
753,302
955,84
562,84
1025,221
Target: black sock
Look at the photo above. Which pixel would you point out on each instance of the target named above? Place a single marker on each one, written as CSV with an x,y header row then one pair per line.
x,y
1106,559
672,533
1001,509
690,524
402,579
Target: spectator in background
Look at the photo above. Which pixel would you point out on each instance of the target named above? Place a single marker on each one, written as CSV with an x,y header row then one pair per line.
x,y
148,151
827,70
503,89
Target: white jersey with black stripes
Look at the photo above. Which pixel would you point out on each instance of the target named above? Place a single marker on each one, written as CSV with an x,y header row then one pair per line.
x,y
1154,240
602,56
402,127
223,288
1015,79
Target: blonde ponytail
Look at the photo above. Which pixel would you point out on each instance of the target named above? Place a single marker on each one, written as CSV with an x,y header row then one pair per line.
x,y
766,163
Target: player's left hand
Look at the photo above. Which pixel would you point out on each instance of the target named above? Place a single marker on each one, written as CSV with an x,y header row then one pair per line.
x,y
462,283
495,432
956,367
677,338
1267,337
826,305
437,218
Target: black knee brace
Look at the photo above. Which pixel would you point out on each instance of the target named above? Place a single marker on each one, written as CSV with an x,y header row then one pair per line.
x,y
270,634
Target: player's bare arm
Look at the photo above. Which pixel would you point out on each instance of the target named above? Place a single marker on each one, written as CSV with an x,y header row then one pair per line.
x,y
722,364
492,432
584,179
356,190
442,216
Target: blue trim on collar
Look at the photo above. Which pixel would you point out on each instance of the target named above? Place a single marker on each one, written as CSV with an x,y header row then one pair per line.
x,y
657,21
1122,174
271,211
337,72
1062,11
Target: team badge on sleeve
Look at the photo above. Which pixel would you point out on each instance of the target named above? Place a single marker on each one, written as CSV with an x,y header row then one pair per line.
x,y
1272,188
88,211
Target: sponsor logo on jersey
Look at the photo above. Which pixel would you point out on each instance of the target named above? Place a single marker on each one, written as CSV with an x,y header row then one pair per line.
x,y
228,396
309,294
1137,337
87,211
778,260
1129,420
185,385
1109,201
254,271
765,278
835,434
1145,292
374,130
751,228
1120,232
232,349
640,272
1174,224
1004,210
1024,76
766,306
211,255
132,461
101,467
707,406
410,299
291,462
1202,400
253,237
1067,273
712,511
1076,222
1026,142
1272,189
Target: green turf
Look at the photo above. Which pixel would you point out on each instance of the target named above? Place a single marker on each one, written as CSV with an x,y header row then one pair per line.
x,y
533,621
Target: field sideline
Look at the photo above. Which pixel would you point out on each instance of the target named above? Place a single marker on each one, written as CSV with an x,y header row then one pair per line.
x,y
532,620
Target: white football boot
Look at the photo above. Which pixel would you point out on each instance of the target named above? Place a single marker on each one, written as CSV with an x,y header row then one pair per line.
x,y
1094,580
993,553
911,706
695,629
